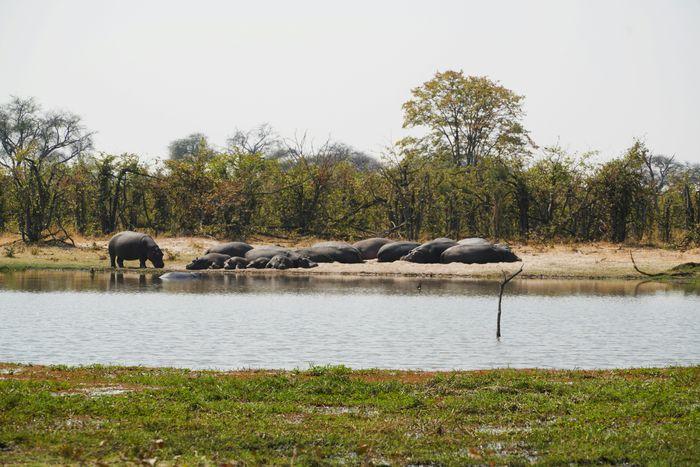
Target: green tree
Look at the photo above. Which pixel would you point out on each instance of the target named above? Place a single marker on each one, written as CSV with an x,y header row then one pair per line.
x,y
189,146
469,117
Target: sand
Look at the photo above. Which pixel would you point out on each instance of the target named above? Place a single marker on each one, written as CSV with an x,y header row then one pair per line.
x,y
589,260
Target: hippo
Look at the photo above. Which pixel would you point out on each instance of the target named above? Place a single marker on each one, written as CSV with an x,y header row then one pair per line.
x,y
369,247
281,261
177,276
236,262
210,260
231,248
316,254
341,253
330,243
394,251
134,245
480,254
474,241
290,260
264,252
429,252
258,263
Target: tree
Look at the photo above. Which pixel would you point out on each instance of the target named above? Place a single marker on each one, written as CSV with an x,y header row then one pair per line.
x,y
619,185
469,117
260,140
189,146
36,151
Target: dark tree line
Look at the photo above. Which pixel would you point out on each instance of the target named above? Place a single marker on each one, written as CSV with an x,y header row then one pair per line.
x,y
475,172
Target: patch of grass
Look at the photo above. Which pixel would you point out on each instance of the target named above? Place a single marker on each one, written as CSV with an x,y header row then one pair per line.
x,y
333,415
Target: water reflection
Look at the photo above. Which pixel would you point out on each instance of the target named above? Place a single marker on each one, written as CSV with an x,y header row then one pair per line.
x,y
284,321
136,281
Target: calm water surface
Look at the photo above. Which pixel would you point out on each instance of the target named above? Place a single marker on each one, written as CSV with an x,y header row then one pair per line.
x,y
241,321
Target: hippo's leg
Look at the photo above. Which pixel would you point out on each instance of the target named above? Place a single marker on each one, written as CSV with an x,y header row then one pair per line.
x,y
120,262
142,262
112,259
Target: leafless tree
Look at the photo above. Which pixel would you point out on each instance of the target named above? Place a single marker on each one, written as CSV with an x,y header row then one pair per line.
x,y
504,282
260,140
35,149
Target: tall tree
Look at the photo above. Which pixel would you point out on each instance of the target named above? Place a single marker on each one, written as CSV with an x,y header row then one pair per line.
x,y
189,146
469,117
36,149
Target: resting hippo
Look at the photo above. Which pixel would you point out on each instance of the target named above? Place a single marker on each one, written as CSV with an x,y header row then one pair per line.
x,y
210,260
332,253
289,261
429,252
265,252
258,263
331,243
230,248
394,251
369,247
474,241
236,262
280,262
176,276
133,245
480,254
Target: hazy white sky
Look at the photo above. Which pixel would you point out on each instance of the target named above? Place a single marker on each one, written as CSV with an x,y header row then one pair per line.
x,y
142,73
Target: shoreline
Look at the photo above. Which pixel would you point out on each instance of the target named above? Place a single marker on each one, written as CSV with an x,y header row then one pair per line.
x,y
558,261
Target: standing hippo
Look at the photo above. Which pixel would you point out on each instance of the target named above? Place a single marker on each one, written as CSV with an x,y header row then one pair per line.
x,y
231,248
429,252
370,247
210,260
341,253
394,251
134,245
264,252
480,254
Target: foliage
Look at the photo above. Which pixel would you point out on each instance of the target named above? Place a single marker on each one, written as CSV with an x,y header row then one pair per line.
x,y
474,173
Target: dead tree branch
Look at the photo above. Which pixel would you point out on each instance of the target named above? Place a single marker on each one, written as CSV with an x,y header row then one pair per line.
x,y
504,282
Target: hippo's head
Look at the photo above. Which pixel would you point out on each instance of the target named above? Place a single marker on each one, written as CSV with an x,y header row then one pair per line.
x,y
416,255
199,263
155,255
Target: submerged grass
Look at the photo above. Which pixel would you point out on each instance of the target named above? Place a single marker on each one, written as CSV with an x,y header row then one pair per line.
x,y
333,415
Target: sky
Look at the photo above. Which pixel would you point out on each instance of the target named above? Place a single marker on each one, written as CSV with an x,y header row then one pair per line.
x,y
595,74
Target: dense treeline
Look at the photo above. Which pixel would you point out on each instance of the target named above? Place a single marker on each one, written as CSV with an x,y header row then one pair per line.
x,y
475,172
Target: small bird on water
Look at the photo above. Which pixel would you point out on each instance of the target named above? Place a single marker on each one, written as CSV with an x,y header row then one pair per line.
x,y
419,287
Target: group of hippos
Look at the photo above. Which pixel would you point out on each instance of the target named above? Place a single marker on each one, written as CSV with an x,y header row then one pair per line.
x,y
240,255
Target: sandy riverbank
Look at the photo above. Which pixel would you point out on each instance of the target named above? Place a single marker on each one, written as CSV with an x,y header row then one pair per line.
x,y
590,260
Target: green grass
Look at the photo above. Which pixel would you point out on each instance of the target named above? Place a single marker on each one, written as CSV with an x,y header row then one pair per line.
x,y
332,415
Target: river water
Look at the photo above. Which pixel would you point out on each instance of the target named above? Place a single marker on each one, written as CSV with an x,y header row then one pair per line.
x,y
281,321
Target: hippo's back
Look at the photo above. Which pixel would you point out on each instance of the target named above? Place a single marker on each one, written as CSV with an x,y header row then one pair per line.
x,y
265,252
479,254
327,253
370,247
474,241
394,251
231,248
429,252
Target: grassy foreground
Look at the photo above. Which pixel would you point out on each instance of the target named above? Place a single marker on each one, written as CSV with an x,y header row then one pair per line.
x,y
332,415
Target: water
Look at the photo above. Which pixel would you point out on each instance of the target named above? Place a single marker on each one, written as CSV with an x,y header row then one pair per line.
x,y
281,321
